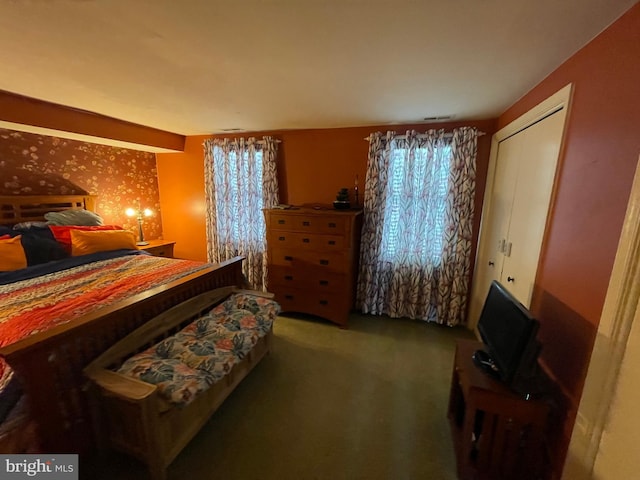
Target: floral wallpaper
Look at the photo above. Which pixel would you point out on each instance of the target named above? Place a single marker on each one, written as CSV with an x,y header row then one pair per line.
x,y
32,164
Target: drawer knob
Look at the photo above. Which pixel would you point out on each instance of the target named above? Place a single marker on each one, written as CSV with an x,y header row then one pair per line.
x,y
281,239
288,258
306,224
289,297
280,222
288,277
324,283
332,225
324,302
305,240
324,262
332,242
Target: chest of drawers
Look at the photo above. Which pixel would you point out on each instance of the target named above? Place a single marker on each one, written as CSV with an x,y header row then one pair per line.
x,y
313,260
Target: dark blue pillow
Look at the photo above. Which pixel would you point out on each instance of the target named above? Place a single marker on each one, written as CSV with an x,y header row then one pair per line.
x,y
8,231
28,225
40,246
41,250
38,231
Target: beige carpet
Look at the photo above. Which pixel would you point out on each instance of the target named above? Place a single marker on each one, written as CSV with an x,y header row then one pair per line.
x,y
365,403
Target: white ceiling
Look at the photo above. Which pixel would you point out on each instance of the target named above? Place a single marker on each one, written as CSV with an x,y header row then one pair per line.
x,y
198,66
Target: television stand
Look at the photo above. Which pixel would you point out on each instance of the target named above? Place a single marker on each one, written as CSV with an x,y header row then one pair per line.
x,y
496,432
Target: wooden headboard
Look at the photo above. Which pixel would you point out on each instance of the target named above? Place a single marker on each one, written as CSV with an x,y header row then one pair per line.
x,y
32,208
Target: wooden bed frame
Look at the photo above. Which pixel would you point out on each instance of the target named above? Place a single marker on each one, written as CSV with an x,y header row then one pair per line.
x,y
131,414
49,364
32,208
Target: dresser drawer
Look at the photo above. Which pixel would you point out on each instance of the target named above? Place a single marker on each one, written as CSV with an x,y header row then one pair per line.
x,y
310,261
316,279
327,224
335,307
306,241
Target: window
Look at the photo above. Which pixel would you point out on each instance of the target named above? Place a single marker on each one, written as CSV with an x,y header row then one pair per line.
x,y
417,230
414,217
240,190
240,181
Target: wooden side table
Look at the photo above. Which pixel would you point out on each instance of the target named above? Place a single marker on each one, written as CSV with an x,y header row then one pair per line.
x,y
159,248
496,433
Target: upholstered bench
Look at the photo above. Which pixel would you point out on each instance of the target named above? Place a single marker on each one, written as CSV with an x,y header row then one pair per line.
x,y
153,390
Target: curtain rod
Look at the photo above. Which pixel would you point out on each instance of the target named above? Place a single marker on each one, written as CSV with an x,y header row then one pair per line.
x,y
422,135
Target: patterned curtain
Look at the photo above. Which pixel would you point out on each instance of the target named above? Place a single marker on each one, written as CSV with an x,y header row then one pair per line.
x,y
240,180
418,220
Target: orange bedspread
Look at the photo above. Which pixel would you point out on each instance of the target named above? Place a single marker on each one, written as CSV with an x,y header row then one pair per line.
x,y
38,304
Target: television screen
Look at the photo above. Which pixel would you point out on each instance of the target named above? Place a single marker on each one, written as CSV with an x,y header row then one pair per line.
x,y
508,330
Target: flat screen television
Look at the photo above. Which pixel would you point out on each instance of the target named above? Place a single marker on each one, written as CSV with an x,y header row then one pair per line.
x,y
508,331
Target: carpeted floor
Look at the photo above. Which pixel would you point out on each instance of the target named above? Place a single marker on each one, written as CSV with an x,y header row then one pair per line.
x,y
364,403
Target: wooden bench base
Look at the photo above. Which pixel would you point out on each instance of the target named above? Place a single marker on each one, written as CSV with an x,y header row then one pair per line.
x,y
131,416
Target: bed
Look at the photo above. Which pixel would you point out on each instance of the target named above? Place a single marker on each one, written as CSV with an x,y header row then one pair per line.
x,y
48,363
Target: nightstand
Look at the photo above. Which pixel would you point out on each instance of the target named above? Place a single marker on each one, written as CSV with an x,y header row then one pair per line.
x,y
159,248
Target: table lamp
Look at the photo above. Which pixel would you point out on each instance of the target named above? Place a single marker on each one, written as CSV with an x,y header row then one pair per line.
x,y
140,213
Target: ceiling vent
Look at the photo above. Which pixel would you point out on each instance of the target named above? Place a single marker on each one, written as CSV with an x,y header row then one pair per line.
x,y
441,118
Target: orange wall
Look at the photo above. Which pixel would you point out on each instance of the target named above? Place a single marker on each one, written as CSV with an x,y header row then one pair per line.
x,y
601,151
181,184
312,166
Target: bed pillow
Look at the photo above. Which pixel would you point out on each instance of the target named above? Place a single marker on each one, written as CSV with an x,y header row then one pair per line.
x,y
40,246
42,250
12,255
62,234
9,232
86,242
73,217
29,225
38,242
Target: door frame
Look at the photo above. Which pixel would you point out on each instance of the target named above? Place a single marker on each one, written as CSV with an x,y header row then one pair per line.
x,y
621,307
559,100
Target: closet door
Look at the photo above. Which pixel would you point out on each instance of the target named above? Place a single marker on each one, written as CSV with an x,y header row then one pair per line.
x,y
496,227
524,155
537,160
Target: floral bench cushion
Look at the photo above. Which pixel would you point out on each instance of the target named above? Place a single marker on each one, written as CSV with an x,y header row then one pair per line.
x,y
188,363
